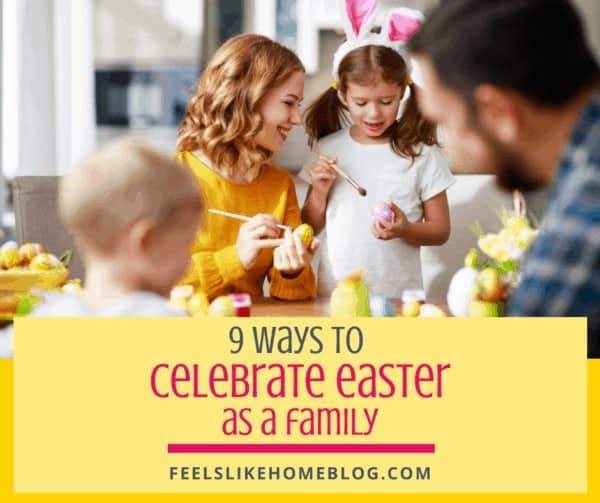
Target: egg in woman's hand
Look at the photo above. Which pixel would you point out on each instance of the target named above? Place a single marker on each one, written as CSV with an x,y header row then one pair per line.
x,y
306,233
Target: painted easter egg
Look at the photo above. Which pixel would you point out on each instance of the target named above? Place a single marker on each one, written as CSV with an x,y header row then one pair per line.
x,y
10,245
30,250
197,304
221,306
382,212
305,233
459,291
180,295
430,311
9,258
46,262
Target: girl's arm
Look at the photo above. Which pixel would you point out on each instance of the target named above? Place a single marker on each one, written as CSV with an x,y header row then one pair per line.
x,y
322,177
434,230
313,211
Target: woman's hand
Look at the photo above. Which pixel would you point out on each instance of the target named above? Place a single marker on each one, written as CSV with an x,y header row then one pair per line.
x,y
291,256
256,234
322,175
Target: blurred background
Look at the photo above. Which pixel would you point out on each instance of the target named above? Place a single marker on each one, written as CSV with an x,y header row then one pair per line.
x,y
76,74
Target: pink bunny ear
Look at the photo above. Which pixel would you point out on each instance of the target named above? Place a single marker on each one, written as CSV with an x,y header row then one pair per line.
x,y
402,26
359,11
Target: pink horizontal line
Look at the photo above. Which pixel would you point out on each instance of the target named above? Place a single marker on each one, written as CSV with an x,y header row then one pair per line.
x,y
301,448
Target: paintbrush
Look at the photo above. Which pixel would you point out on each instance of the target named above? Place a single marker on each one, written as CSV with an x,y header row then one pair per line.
x,y
342,173
240,217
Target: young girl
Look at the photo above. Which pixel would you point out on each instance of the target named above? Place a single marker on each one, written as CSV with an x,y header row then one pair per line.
x,y
389,149
247,102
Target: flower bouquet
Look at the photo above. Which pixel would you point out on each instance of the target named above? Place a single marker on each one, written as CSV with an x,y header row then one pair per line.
x,y
481,288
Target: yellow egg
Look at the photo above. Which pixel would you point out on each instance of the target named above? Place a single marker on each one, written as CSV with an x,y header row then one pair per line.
x,y
180,295
306,233
46,262
431,311
411,309
483,309
30,250
197,304
221,306
9,257
489,285
73,286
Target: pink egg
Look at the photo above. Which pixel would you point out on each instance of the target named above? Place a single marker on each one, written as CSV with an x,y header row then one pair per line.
x,y
382,212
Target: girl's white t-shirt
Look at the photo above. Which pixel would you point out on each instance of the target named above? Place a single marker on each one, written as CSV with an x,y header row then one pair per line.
x,y
347,243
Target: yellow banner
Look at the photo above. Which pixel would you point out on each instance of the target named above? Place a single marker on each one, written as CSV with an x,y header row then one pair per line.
x,y
300,405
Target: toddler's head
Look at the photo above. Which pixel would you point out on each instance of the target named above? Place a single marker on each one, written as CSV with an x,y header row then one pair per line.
x,y
135,210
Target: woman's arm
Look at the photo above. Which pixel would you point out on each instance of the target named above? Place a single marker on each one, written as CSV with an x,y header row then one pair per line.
x,y
301,283
212,271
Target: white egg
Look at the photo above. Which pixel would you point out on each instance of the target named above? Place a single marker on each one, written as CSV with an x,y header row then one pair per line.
x,y
459,291
10,245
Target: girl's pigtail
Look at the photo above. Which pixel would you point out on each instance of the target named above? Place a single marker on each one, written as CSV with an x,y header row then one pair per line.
x,y
413,130
324,116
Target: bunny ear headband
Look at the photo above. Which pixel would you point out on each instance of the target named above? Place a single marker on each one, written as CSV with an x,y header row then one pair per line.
x,y
359,17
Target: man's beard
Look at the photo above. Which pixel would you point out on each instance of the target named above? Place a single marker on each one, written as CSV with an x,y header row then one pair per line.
x,y
511,168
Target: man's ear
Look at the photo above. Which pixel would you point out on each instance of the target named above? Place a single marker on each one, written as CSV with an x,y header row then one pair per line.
x,y
498,112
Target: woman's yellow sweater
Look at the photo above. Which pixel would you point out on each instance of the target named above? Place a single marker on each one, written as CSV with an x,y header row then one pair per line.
x,y
216,267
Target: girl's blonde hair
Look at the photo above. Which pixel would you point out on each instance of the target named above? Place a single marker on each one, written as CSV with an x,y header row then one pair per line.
x,y
365,66
223,119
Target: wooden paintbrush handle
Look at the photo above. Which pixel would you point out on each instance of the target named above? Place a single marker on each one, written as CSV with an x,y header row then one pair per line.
x,y
239,217
341,172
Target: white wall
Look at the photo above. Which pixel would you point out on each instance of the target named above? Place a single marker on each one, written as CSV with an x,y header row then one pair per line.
x,y
48,112
590,11
147,31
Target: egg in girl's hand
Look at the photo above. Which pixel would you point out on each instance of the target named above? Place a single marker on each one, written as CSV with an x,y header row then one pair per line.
x,y
306,233
46,262
382,212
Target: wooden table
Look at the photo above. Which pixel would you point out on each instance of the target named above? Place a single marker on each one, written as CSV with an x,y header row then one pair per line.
x,y
270,307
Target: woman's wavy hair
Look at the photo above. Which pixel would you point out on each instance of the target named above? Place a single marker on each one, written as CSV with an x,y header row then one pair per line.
x,y
365,66
223,119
